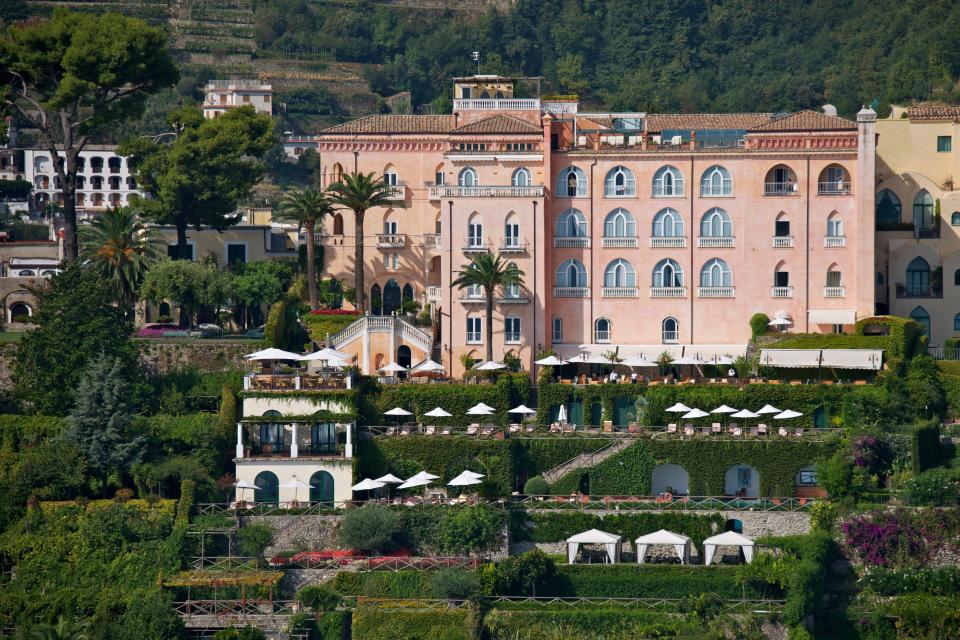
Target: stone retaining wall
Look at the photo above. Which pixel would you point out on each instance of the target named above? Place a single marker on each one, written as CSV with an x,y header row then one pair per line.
x,y
210,356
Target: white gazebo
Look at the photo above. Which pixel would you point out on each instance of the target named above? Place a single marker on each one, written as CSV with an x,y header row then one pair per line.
x,y
609,541
727,539
680,543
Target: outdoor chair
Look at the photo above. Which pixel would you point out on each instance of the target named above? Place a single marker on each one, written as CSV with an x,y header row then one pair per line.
x,y
531,428
688,429
514,427
799,433
633,428
392,431
445,431
473,429
404,432
782,432
486,431
732,426
754,432
762,429
555,428
736,432
570,428
672,428
715,428
430,430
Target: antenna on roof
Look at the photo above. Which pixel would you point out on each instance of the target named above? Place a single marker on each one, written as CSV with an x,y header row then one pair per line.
x,y
475,56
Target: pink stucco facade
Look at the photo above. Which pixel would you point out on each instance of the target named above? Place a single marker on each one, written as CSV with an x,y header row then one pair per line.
x,y
505,162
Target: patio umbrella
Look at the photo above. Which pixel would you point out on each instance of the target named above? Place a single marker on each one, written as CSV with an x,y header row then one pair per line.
x,y
787,415
243,484
780,322
367,485
638,361
562,414
491,365
272,354
480,410
693,414
768,408
438,413
423,475
690,360
389,479
465,479
586,358
295,484
326,354
428,366
678,408
397,412
393,367
414,482
744,413
522,409
550,361
724,409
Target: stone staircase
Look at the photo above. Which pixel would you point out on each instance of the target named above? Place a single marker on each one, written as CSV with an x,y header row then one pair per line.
x,y
382,324
586,460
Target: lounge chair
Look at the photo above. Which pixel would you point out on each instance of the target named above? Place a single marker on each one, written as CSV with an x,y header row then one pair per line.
x,y
473,429
514,427
445,431
754,432
715,428
429,431
782,432
404,432
798,433
530,428
736,432
671,428
688,429
487,430
555,427
732,426
762,429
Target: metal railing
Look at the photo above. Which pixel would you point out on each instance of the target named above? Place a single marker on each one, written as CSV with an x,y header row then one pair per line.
x,y
782,242
668,242
926,233
391,240
712,242
665,502
919,291
942,353
476,245
781,189
512,245
834,188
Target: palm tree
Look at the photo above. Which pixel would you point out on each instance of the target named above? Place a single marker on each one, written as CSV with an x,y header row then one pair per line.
x,y
492,274
64,629
359,192
307,208
121,247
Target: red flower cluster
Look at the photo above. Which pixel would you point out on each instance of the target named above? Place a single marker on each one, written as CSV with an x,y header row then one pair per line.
x,y
334,312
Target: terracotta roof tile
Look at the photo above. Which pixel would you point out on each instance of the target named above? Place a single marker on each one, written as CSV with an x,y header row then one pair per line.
x,y
394,124
499,123
934,112
666,121
807,121
598,122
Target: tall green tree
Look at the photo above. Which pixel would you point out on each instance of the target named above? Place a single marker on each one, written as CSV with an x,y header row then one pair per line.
x,y
198,173
492,274
360,192
79,315
121,247
192,285
99,425
76,75
257,284
307,208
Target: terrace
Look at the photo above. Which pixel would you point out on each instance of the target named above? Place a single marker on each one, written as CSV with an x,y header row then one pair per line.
x,y
278,437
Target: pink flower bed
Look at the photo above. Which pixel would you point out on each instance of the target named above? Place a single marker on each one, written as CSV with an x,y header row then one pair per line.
x,y
334,312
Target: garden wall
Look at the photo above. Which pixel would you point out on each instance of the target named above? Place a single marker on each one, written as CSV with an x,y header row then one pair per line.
x,y
209,356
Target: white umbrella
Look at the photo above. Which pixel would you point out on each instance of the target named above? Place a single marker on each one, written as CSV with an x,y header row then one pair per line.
x,y
480,410
562,414
638,361
397,411
491,365
768,408
438,413
243,484
326,354
586,358
393,367
724,409
788,414
389,479
744,413
415,482
464,479
272,354
367,484
522,409
691,360
678,408
551,361
428,365
295,484
693,414
472,473
423,475
780,322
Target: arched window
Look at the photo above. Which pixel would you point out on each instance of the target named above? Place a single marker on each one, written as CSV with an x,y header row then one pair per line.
x,y
667,274
955,218
468,177
267,489
669,330
619,183
571,224
618,274
520,178
511,232
572,274
781,278
337,224
780,181
834,225
716,181
407,293
667,224
888,209
392,297
668,182
716,273
336,172
321,488
920,315
619,224
20,311
923,211
572,183
834,276
390,175
918,278
376,300
556,330
512,290
716,224
601,330
834,180
475,231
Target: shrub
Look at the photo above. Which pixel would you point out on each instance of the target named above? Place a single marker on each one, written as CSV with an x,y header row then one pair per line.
x,y
318,598
759,324
470,530
536,486
522,575
455,584
372,529
926,445
241,633
902,537
704,607
935,487
647,581
942,581
372,623
254,539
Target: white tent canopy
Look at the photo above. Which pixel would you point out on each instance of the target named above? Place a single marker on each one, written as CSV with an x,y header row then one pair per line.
x,y
438,413
680,543
727,539
550,361
610,542
869,359
272,354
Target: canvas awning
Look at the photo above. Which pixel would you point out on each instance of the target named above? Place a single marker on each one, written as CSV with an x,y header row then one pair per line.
x,y
870,359
790,358
832,316
680,543
611,543
727,539
705,352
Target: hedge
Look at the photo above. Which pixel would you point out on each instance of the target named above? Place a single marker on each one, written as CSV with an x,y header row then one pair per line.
x,y
629,471
556,526
925,443
942,581
903,339
321,325
583,623
950,377
552,395
507,392
371,623
648,581
31,429
383,584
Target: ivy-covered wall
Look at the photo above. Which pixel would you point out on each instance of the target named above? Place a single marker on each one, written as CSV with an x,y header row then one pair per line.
x,y
508,391
902,340
706,461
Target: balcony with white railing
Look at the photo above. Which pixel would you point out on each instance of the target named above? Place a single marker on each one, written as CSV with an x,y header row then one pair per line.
x,y
781,292
513,245
668,242
470,297
519,298
620,292
455,191
496,104
781,189
398,193
620,243
431,240
834,292
391,240
715,242
433,294
670,337
841,188
715,292
668,292
571,292
834,242
571,242
782,242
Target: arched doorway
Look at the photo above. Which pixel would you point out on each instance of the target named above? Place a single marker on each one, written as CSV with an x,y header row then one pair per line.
x,y
391,297
321,488
20,312
742,481
267,488
404,358
164,311
407,293
670,478
376,300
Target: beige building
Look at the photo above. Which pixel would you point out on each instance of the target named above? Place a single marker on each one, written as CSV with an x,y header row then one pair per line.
x,y
221,95
918,218
25,266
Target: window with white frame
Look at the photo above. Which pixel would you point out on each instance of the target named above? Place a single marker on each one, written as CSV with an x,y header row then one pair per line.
x,y
572,274
716,181
620,274
620,224
834,226
390,177
556,330
511,330
572,183
512,291
716,224
668,181
474,291
474,329
669,330
667,224
833,277
667,274
390,227
571,224
475,232
601,330
619,182
716,273
511,233
468,177
521,177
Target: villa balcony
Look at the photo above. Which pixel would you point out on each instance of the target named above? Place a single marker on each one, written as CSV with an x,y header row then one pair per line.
x,y
620,292
476,245
468,297
668,242
715,242
781,292
295,381
715,292
834,242
497,104
919,291
520,298
431,240
433,294
782,242
834,292
440,193
926,233
571,292
620,243
834,189
397,193
292,439
571,242
668,292
781,189
513,245
391,240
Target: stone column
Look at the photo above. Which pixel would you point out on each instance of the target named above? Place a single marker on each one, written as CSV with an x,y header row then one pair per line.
x,y
294,447
239,451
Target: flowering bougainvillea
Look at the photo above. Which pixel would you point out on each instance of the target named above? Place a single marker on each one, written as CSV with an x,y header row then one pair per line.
x,y
902,537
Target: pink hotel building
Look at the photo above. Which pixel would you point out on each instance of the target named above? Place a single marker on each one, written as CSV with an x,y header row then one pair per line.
x,y
642,232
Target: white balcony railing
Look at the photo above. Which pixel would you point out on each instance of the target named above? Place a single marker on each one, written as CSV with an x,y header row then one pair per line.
x,y
398,192
571,292
715,292
497,104
668,292
834,292
620,292
834,188
572,242
431,240
512,245
670,337
782,242
781,292
433,294
620,243
466,297
521,298
668,242
715,242
391,240
832,242
438,193
781,189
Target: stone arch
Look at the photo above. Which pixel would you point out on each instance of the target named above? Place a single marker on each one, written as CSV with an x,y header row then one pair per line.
x,y
670,478
392,297
742,480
